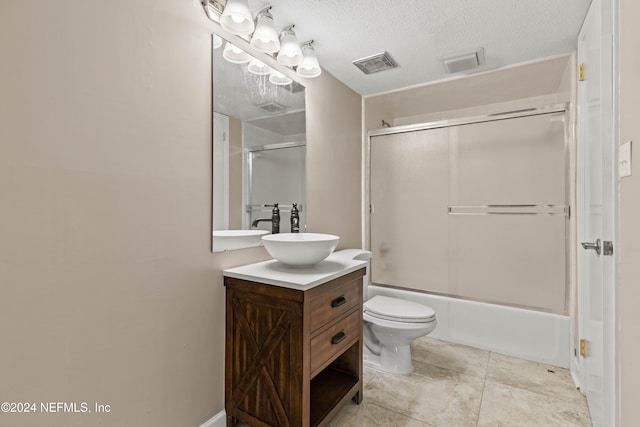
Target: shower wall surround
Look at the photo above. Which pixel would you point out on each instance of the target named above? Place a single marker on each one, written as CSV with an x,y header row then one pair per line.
x,y
474,209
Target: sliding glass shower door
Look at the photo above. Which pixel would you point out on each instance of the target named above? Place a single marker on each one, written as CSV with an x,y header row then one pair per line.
x,y
275,174
475,210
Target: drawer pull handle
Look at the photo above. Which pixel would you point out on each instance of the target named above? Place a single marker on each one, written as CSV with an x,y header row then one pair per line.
x,y
338,301
338,337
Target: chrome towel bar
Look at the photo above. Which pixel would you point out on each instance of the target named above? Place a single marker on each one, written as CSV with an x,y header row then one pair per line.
x,y
510,210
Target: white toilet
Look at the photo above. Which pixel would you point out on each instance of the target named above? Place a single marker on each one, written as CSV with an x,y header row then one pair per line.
x,y
390,325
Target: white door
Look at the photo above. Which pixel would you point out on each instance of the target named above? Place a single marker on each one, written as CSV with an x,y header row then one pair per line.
x,y
220,171
596,212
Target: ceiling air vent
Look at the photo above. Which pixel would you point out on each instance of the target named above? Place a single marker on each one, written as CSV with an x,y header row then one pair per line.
x,y
272,107
375,63
463,61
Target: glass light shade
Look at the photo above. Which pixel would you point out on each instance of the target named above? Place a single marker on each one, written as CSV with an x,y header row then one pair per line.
x,y
235,55
310,67
290,53
217,41
277,78
265,38
236,18
258,67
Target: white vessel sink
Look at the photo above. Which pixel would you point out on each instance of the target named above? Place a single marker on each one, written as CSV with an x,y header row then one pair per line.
x,y
225,240
300,249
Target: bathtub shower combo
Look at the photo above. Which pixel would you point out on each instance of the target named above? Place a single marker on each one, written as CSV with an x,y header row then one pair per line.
x,y
470,219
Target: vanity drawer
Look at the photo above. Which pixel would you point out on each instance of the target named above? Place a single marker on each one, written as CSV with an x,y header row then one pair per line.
x,y
335,339
332,301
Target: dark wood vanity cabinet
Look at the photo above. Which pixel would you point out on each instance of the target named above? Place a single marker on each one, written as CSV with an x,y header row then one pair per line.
x,y
293,357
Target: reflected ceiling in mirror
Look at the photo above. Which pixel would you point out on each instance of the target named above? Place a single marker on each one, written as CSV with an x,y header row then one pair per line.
x,y
250,97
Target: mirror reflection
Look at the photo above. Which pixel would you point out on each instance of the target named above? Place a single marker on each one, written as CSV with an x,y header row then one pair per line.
x,y
258,150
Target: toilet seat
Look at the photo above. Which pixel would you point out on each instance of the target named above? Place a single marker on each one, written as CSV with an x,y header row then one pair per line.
x,y
398,310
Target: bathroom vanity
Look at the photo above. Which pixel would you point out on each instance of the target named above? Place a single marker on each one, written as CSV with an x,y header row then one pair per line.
x,y
293,348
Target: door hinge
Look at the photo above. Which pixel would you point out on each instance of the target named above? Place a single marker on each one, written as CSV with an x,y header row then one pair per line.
x,y
583,347
581,72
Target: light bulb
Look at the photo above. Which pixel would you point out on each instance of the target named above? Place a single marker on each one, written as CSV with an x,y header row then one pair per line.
x,y
290,53
265,38
309,67
236,18
278,78
235,55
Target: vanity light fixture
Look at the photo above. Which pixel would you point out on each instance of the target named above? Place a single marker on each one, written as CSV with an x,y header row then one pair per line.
x,y
290,53
258,67
235,55
265,38
236,18
310,67
277,78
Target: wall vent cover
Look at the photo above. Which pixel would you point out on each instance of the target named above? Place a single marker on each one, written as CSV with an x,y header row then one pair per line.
x,y
463,61
375,63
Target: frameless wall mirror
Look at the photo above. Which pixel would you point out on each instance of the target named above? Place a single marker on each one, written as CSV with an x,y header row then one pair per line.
x,y
258,148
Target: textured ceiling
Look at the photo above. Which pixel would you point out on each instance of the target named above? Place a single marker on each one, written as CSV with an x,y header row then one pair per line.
x,y
418,32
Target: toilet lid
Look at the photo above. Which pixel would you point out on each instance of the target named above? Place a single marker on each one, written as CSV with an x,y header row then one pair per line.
x,y
398,309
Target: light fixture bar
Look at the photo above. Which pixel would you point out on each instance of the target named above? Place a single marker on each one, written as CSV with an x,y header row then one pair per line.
x,y
213,9
235,18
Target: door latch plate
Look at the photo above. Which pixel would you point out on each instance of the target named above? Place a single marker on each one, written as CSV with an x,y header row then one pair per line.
x,y
583,347
607,248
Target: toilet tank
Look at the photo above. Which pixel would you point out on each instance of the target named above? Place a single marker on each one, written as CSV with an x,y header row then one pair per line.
x,y
360,255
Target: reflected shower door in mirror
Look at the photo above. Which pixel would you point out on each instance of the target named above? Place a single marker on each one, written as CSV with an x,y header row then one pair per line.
x,y
258,148
276,172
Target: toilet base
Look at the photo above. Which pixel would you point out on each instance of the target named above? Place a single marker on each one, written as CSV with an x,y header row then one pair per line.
x,y
392,359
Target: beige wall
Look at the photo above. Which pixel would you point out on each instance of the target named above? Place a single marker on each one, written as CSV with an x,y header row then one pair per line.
x,y
628,290
334,176
107,278
109,291
536,83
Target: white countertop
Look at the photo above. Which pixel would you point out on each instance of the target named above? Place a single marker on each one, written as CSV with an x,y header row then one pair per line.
x,y
275,273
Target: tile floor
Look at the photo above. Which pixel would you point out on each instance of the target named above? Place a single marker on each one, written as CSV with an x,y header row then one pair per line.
x,y
458,386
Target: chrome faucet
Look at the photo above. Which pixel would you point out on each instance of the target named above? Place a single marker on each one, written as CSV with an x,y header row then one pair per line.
x,y
259,220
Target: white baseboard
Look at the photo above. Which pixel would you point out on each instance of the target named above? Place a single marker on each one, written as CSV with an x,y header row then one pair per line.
x,y
576,373
218,420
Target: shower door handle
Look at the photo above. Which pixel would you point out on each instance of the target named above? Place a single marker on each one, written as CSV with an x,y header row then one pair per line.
x,y
595,246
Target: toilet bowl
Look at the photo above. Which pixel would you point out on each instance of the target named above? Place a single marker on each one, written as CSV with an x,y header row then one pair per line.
x,y
390,324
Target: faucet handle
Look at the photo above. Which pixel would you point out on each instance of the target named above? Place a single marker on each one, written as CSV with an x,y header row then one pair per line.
x,y
275,219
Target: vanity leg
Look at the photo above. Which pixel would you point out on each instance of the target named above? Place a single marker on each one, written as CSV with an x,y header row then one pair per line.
x,y
357,398
231,422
